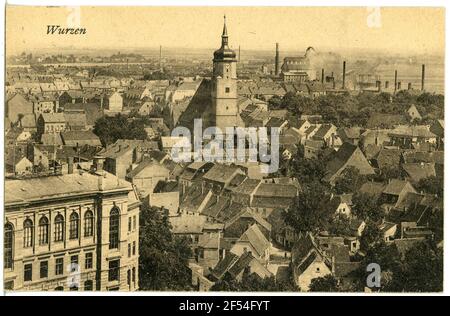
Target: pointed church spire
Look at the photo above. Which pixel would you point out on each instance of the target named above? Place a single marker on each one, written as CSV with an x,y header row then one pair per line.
x,y
225,32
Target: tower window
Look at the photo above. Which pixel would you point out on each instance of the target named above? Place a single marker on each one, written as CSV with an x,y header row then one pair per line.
x,y
227,90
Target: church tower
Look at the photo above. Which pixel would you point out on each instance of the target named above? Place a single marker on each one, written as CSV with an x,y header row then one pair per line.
x,y
224,85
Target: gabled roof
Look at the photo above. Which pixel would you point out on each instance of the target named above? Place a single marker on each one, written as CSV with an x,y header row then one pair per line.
x,y
396,186
143,165
71,136
414,156
256,238
302,248
187,224
242,263
92,111
53,117
221,173
224,265
340,159
51,139
245,214
388,158
35,189
75,118
412,131
350,132
386,226
418,171
247,187
322,131
276,190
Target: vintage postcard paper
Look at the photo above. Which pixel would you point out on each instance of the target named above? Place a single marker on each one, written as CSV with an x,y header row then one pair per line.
x,y
275,149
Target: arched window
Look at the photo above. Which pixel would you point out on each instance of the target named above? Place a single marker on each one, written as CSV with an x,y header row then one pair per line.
x,y
8,246
59,288
59,227
43,231
129,278
134,276
114,228
27,233
74,225
88,224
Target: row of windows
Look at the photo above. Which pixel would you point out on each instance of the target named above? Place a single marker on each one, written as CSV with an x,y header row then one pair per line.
x,y
59,232
59,266
59,226
88,286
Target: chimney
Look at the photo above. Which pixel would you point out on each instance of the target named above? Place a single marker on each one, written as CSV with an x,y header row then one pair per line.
x,y
386,85
239,56
409,85
277,59
323,74
98,163
423,78
69,165
395,81
343,75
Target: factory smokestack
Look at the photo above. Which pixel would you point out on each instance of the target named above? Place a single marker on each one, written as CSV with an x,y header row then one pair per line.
x,y
395,81
343,75
277,59
423,78
323,74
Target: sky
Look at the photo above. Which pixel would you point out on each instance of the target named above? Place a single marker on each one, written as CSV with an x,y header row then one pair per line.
x,y
395,30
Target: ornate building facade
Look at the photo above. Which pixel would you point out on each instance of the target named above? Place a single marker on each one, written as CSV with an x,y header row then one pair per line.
x,y
77,231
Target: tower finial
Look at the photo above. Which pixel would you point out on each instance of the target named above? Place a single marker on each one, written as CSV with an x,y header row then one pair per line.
x,y
224,33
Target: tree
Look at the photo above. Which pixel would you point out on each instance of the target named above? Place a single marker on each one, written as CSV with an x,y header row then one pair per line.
x,y
431,185
306,170
349,181
371,236
309,215
324,284
110,129
366,207
275,102
163,258
340,226
251,282
422,270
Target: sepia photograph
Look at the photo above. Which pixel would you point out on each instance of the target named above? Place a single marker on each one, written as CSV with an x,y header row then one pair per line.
x,y
223,149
